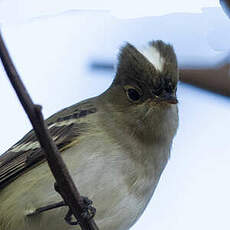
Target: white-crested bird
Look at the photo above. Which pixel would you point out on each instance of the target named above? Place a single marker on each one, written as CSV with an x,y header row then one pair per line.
x,y
115,145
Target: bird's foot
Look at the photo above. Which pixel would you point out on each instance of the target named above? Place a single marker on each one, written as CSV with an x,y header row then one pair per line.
x,y
88,211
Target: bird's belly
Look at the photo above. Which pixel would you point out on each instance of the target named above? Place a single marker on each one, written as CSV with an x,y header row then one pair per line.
x,y
109,177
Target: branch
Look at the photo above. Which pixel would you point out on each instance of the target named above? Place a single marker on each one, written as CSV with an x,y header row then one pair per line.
x,y
63,179
215,79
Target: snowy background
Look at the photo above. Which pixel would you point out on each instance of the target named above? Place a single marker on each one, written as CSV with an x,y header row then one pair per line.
x,y
54,43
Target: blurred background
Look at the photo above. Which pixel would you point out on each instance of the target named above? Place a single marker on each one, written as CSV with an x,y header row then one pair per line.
x,y
65,51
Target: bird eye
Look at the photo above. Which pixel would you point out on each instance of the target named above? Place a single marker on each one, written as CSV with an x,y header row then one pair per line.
x,y
133,94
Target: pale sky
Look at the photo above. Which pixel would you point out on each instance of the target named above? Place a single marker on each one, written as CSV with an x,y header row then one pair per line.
x,y
15,10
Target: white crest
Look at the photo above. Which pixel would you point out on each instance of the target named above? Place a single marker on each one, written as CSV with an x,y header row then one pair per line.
x,y
153,56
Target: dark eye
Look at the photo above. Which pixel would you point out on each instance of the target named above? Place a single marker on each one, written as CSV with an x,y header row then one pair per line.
x,y
133,94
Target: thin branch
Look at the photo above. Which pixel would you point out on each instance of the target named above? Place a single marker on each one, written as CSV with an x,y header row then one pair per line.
x,y
64,181
214,79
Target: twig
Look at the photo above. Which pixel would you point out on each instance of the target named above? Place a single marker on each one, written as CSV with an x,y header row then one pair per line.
x,y
64,181
215,79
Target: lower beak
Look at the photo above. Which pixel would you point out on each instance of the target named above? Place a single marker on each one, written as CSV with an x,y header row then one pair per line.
x,y
170,99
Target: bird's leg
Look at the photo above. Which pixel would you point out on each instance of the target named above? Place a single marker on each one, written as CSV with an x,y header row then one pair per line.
x,y
47,207
88,210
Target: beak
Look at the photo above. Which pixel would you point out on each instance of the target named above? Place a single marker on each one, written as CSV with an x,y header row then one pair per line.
x,y
166,97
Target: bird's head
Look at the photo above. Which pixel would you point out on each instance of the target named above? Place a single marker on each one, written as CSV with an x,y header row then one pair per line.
x,y
146,82
150,74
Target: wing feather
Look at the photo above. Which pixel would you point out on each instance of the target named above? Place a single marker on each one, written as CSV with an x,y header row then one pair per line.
x,y
64,127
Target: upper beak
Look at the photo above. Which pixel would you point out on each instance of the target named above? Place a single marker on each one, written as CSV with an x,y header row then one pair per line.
x,y
166,97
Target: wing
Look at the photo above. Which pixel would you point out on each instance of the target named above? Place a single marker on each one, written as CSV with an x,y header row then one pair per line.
x,y
65,127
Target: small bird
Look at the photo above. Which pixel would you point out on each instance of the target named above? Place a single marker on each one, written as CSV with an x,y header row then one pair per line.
x,y
115,145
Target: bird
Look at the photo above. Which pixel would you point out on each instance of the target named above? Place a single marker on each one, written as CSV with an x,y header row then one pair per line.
x,y
115,145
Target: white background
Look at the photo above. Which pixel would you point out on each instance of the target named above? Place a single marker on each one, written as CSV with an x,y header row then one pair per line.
x,y
53,45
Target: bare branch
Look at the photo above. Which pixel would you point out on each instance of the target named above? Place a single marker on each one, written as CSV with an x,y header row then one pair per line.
x,y
65,184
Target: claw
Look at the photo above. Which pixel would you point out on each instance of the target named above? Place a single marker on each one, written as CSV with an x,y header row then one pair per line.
x,y
68,218
88,212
